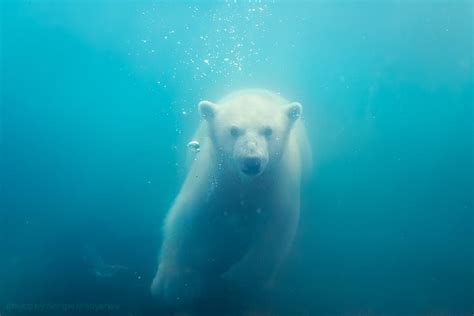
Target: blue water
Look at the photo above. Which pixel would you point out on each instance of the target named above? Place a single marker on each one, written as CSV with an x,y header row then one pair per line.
x,y
98,101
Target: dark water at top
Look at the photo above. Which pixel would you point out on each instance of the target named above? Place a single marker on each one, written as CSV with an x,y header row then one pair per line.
x,y
98,101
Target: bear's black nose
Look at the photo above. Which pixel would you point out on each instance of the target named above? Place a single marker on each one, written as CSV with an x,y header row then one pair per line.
x,y
251,165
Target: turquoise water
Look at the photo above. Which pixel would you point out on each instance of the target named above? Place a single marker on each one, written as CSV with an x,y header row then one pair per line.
x,y
98,102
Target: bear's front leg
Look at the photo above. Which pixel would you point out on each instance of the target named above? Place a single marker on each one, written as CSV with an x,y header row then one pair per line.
x,y
175,285
178,279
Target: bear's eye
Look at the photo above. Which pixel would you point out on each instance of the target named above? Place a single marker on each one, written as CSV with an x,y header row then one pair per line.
x,y
234,131
267,132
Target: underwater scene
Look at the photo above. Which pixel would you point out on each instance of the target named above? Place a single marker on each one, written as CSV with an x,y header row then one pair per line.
x,y
257,158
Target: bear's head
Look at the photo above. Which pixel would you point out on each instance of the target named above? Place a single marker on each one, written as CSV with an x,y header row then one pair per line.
x,y
250,129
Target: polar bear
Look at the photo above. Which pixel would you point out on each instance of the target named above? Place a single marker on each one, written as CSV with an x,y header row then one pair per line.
x,y
237,212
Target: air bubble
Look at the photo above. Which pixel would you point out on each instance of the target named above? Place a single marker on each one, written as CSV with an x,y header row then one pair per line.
x,y
194,146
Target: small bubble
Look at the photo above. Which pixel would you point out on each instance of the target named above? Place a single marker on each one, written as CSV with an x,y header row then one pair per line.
x,y
194,146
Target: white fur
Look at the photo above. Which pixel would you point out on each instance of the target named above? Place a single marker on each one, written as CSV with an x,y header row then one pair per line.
x,y
223,222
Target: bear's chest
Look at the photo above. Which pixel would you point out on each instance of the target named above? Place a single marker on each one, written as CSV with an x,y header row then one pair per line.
x,y
236,216
239,217
234,230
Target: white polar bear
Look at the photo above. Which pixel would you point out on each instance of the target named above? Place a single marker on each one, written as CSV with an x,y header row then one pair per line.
x,y
237,212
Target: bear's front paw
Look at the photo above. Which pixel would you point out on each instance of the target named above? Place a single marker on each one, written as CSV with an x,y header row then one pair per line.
x,y
177,289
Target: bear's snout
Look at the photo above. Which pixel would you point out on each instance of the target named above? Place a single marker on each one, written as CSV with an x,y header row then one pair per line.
x,y
251,165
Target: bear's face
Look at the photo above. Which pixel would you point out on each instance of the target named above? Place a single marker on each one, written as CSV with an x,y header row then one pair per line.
x,y
250,133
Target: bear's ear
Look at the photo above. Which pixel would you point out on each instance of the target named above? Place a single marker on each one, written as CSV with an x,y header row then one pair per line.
x,y
207,109
294,111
